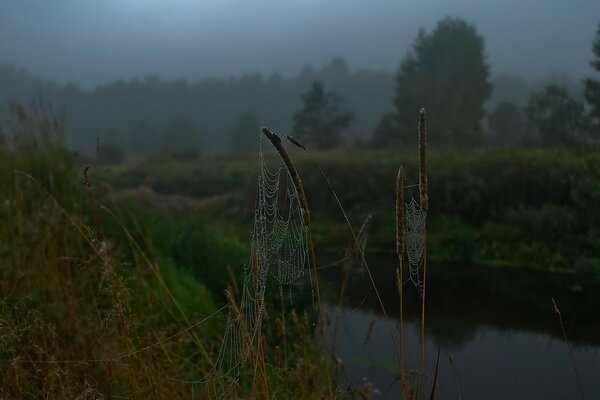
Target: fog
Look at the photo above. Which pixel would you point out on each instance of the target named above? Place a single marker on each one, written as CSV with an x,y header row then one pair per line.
x,y
97,41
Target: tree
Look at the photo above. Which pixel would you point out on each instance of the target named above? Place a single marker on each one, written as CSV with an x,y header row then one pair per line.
x,y
244,133
322,118
507,124
555,116
446,73
592,87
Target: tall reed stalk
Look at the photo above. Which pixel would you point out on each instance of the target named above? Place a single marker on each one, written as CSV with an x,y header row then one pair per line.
x,y
400,239
424,203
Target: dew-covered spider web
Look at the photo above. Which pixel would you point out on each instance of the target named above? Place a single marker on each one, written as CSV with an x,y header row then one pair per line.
x,y
279,250
415,221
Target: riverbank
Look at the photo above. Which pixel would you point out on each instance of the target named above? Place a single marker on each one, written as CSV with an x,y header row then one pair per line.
x,y
522,208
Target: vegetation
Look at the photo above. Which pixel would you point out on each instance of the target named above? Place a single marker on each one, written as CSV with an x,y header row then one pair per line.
x,y
113,271
322,118
90,307
534,208
131,280
140,108
507,125
592,87
556,117
447,72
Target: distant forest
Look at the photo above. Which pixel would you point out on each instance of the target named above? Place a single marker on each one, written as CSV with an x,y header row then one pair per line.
x,y
133,115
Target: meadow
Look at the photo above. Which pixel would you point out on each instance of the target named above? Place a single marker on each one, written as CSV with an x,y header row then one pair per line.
x,y
116,279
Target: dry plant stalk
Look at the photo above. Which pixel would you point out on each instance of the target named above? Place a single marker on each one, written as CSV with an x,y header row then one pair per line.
x,y
362,232
400,232
292,170
564,332
86,177
424,203
258,357
400,239
370,331
348,257
424,199
353,248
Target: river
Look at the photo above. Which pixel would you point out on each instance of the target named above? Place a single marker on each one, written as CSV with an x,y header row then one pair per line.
x,y
496,330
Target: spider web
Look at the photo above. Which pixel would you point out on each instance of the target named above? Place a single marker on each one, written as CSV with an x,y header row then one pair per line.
x,y
415,219
279,250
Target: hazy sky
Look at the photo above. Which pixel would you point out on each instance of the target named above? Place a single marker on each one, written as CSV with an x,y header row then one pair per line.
x,y
95,41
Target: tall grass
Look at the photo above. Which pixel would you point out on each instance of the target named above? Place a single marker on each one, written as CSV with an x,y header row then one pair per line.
x,y
76,319
408,391
90,308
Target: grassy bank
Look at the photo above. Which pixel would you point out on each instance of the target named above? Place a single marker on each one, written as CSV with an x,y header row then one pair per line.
x,y
101,297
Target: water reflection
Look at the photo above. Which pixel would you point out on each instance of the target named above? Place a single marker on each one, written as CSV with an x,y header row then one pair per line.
x,y
498,325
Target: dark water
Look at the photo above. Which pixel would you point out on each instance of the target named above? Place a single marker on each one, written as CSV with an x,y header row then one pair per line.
x,y
499,327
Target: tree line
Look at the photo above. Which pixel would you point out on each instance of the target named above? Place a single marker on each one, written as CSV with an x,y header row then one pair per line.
x,y
446,71
138,115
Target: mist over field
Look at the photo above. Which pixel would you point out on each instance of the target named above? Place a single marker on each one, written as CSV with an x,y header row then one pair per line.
x,y
99,41
210,62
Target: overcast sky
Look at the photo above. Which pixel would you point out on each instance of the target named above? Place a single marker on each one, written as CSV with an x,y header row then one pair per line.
x,y
96,41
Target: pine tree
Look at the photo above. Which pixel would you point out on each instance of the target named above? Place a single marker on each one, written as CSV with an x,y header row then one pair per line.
x,y
322,118
446,73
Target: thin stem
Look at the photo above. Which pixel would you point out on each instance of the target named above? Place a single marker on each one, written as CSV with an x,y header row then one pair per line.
x,y
362,255
564,332
400,239
424,204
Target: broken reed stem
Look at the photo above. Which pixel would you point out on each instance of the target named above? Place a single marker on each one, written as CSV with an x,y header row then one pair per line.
x,y
424,203
400,239
292,170
276,141
557,311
